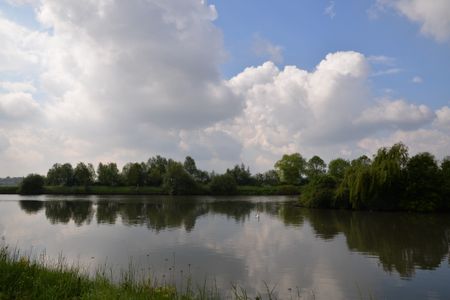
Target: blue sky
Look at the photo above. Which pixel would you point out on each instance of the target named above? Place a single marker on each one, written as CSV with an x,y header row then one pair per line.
x,y
224,81
307,34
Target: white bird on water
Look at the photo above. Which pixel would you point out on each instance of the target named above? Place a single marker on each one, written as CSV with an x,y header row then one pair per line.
x,y
257,215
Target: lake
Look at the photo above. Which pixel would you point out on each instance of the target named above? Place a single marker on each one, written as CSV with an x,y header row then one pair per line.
x,y
243,241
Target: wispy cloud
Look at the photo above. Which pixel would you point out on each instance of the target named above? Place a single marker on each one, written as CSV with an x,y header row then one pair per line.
x,y
330,10
264,48
417,79
382,60
390,71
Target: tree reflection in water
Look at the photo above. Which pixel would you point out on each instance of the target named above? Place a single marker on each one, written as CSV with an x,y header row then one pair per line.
x,y
402,242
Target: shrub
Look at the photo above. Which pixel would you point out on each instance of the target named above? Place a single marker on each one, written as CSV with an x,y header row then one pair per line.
x,y
319,192
223,185
177,181
33,184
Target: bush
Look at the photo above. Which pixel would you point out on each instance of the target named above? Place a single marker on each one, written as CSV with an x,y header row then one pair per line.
x,y
33,184
177,181
319,192
223,185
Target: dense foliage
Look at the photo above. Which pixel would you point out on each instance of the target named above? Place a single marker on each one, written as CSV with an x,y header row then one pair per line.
x,y
161,175
33,184
177,181
223,185
390,181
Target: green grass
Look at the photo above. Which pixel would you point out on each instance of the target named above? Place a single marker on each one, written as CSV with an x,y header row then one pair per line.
x,y
7,189
25,277
103,190
150,190
268,190
22,277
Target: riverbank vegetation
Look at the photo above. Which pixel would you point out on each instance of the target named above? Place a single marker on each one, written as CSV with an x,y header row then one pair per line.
x,y
391,180
23,277
157,176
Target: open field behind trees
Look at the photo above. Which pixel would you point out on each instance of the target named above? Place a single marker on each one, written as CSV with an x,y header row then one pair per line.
x,y
390,180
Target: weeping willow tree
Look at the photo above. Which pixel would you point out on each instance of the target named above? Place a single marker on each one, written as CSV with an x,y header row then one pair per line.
x,y
375,185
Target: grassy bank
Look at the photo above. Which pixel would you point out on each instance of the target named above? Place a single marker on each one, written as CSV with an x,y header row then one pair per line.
x,y
22,277
268,190
6,189
103,190
149,190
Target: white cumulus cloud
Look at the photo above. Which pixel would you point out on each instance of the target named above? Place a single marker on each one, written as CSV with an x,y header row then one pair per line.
x,y
397,114
266,49
113,80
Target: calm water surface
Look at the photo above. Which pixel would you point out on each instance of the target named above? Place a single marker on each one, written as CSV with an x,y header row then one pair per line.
x,y
321,254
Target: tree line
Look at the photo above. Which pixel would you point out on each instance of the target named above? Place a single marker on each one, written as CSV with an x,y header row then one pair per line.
x,y
390,180
172,176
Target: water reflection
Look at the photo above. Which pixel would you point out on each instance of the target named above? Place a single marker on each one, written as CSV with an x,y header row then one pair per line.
x,y
401,242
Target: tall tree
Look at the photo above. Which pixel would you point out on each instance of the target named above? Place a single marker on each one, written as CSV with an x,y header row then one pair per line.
x,y
337,168
108,174
423,184
84,175
291,168
315,167
378,185
241,174
177,181
60,175
190,166
156,168
134,174
445,175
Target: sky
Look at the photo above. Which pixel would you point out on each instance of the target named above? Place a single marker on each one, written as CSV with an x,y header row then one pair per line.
x,y
224,81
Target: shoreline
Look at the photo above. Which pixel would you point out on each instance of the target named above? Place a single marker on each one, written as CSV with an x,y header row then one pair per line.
x,y
282,190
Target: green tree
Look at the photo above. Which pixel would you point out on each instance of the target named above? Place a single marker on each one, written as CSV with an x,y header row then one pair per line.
x,y
156,168
198,175
423,184
33,184
84,175
445,175
315,167
291,168
108,174
319,192
241,174
378,185
223,185
202,177
60,175
271,177
177,181
190,166
337,168
134,174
